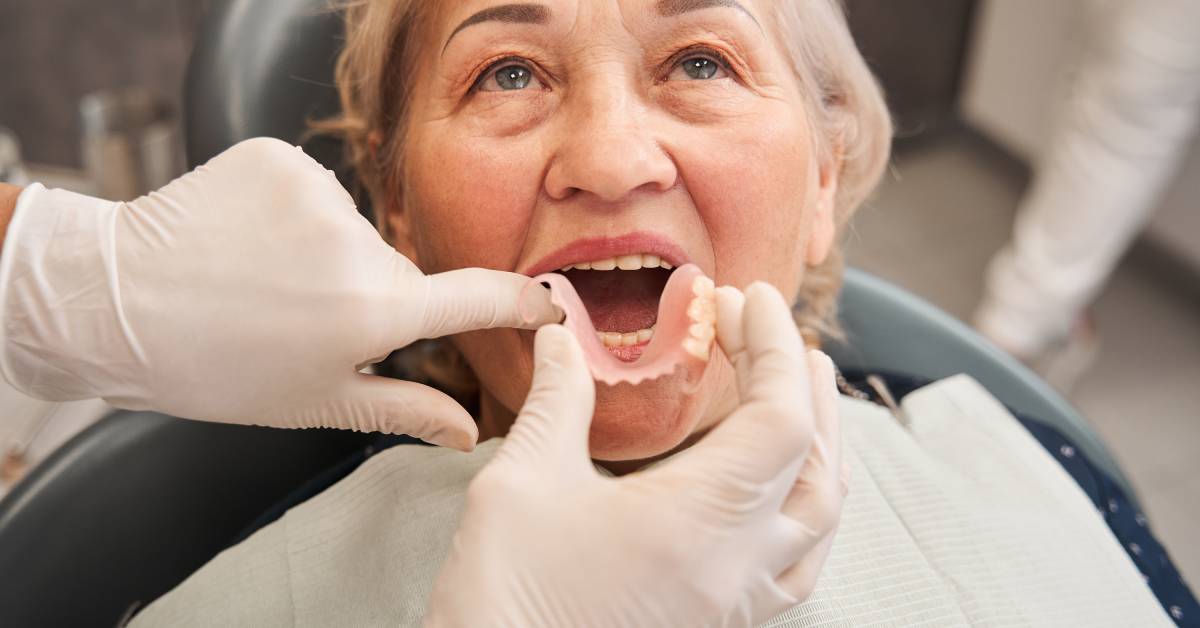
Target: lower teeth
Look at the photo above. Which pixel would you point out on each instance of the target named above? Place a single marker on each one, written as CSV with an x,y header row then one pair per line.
x,y
628,339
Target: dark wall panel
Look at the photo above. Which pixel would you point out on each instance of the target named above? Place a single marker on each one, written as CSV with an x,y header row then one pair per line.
x,y
916,48
52,52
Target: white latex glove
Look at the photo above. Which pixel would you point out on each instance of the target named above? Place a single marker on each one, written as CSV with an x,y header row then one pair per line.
x,y
247,291
728,533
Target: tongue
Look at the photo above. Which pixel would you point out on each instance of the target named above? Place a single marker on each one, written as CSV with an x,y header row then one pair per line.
x,y
620,301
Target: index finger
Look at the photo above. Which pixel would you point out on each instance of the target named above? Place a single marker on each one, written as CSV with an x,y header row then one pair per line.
x,y
777,365
478,298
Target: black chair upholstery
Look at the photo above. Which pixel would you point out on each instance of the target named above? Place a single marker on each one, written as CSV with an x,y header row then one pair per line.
x,y
131,506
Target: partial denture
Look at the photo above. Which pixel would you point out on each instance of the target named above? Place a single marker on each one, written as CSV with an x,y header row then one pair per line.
x,y
702,312
682,336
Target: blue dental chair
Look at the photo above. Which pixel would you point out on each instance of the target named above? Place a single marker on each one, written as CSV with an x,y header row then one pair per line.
x,y
131,506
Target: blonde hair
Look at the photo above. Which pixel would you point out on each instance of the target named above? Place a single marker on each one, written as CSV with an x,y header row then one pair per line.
x,y
843,101
848,111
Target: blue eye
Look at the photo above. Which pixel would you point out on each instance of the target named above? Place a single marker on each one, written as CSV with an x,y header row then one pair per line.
x,y
698,68
513,77
507,76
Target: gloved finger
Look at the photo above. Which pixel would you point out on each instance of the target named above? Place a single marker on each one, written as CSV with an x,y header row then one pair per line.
x,y
552,427
479,298
800,579
772,428
379,404
730,305
778,366
816,499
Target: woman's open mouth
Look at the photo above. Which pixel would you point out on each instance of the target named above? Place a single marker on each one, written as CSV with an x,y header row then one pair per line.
x,y
621,296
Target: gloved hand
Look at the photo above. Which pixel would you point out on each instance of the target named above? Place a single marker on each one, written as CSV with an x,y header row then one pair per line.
x,y
728,533
247,291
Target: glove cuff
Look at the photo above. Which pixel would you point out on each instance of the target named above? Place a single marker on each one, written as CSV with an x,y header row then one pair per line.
x,y
63,336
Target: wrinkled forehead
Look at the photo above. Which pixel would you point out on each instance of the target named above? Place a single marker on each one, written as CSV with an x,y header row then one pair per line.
x,y
581,17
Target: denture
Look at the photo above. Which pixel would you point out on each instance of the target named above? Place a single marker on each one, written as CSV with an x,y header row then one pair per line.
x,y
682,335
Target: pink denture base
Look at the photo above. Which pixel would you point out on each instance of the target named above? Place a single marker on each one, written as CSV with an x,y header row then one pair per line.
x,y
663,353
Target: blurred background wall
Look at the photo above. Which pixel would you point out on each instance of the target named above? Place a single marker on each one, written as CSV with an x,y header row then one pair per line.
x,y
56,51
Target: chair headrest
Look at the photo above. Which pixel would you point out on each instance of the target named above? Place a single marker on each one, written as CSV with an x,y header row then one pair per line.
x,y
264,69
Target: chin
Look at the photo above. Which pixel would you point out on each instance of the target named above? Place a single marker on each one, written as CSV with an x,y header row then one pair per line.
x,y
644,421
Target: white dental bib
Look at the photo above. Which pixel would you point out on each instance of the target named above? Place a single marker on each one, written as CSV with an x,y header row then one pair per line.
x,y
961,519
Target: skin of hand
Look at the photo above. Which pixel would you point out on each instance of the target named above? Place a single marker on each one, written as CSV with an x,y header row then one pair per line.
x,y
728,533
8,202
250,290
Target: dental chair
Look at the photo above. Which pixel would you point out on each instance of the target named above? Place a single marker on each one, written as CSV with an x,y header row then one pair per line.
x,y
131,506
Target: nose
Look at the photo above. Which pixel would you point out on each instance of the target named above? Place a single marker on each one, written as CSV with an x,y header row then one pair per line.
x,y
606,149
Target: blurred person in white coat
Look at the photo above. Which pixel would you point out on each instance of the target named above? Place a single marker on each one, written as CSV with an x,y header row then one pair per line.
x,y
1117,142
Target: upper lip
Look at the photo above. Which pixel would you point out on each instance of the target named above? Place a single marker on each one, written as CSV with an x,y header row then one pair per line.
x,y
603,247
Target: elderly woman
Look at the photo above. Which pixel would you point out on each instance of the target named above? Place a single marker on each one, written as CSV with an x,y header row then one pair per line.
x,y
612,142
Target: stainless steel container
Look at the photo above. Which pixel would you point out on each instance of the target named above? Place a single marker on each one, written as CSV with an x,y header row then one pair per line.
x,y
12,170
130,142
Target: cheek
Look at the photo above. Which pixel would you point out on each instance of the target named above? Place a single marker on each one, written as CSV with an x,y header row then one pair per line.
x,y
754,184
471,201
502,360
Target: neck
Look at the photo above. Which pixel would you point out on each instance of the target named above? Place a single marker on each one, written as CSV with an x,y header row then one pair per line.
x,y
494,419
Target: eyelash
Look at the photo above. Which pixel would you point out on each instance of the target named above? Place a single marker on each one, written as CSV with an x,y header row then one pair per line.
x,y
678,57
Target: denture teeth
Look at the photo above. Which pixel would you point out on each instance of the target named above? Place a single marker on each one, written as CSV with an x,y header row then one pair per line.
x,y
627,339
697,348
702,311
702,331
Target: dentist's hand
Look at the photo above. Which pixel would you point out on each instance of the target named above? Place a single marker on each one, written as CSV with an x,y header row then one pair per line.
x,y
728,533
247,291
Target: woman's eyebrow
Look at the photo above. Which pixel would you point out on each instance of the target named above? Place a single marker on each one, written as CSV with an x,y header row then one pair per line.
x,y
527,13
669,8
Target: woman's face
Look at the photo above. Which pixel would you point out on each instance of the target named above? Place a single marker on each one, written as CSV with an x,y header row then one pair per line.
x,y
568,131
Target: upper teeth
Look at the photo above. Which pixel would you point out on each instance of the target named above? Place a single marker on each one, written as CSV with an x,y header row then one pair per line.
x,y
636,261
